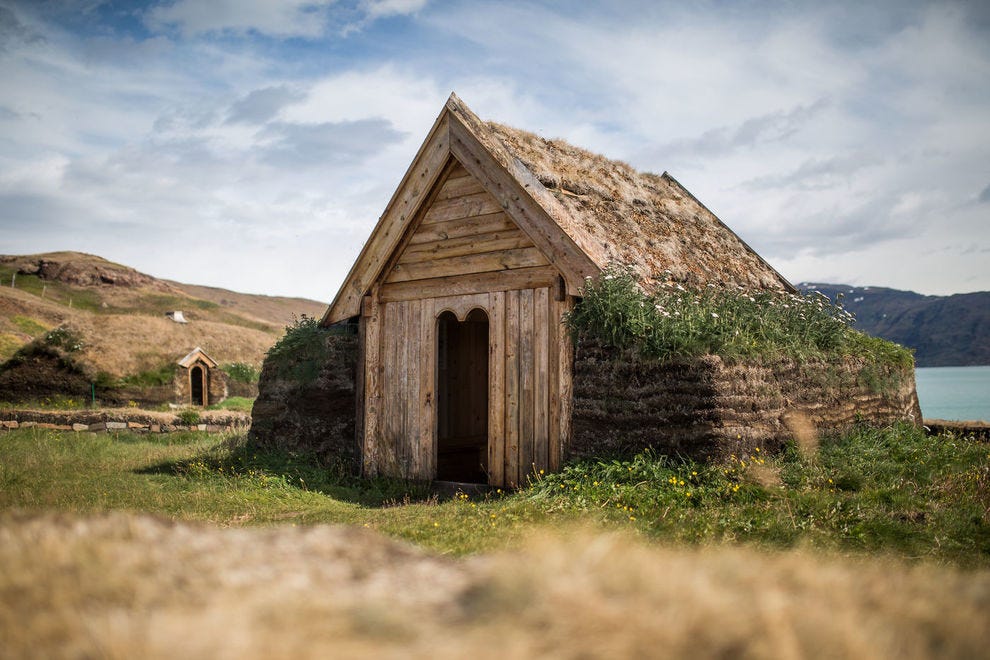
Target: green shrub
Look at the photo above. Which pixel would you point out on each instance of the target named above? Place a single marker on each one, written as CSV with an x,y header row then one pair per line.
x,y
161,375
679,322
240,372
189,417
303,349
64,338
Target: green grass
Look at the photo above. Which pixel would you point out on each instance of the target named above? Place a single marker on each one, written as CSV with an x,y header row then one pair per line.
x,y
58,292
890,491
238,403
675,321
28,325
9,344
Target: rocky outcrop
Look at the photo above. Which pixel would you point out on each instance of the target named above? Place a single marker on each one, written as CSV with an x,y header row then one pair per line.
x,y
83,270
306,402
708,408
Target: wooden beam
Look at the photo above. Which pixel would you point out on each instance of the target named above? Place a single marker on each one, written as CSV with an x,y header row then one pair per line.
x,y
509,239
373,384
496,391
467,206
484,262
506,280
463,227
541,380
459,186
512,389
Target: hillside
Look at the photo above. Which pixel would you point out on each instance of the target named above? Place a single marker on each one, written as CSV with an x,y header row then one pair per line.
x,y
944,331
120,313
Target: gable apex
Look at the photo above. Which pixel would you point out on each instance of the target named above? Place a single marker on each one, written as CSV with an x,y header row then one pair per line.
x,y
454,137
581,210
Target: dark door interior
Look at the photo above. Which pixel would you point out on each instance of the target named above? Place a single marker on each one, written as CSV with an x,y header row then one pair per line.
x,y
196,376
462,398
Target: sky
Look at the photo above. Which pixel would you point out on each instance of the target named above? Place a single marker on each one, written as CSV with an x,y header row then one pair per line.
x,y
253,144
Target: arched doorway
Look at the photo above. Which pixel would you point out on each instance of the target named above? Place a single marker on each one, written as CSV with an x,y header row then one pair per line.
x,y
197,386
462,397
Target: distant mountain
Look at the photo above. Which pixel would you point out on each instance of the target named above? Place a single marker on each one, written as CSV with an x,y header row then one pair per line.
x,y
944,331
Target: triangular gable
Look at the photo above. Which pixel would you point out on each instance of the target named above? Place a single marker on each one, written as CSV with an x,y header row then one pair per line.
x,y
454,139
462,231
198,355
581,210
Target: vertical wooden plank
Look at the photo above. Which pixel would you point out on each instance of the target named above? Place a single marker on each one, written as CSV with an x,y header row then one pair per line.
x,y
426,422
387,463
565,371
400,390
359,383
526,392
558,334
410,429
512,388
541,389
496,389
372,409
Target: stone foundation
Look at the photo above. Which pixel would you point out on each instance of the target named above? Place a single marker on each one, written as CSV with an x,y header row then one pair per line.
x,y
707,408
123,419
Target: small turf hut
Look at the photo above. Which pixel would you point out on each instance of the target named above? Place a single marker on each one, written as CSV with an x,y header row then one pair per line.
x,y
199,381
461,367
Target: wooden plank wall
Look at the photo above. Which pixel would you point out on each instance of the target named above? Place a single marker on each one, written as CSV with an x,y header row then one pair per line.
x,y
464,253
529,383
464,243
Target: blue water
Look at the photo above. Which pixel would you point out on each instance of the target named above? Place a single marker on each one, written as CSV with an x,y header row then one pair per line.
x,y
958,393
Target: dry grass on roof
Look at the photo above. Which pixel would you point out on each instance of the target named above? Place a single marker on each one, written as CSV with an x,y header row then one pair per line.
x,y
645,220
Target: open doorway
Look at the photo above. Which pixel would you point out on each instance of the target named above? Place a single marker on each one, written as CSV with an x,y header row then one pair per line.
x,y
197,386
462,398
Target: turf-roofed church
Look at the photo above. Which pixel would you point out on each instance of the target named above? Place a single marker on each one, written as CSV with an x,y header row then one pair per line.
x,y
465,372
444,356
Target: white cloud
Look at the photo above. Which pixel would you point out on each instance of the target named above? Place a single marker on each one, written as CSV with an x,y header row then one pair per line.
x,y
385,8
279,18
842,143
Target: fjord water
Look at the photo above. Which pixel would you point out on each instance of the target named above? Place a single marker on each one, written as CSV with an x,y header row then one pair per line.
x,y
956,393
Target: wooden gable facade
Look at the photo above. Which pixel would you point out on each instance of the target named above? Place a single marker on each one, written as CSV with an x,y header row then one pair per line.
x,y
464,367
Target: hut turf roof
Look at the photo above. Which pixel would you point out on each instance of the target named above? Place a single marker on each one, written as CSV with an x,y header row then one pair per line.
x,y
646,221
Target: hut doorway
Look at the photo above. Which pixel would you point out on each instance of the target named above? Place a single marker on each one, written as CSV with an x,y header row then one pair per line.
x,y
197,386
462,398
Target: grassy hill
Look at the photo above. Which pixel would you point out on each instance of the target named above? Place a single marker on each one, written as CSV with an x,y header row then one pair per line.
x,y
119,314
944,331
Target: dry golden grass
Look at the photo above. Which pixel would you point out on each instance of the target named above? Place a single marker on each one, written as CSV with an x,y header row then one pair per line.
x,y
123,344
123,325
803,430
134,586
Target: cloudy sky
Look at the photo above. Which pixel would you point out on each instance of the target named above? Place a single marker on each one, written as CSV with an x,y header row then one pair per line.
x,y
252,144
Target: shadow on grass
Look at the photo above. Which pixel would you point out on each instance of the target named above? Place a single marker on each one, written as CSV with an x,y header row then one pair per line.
x,y
235,458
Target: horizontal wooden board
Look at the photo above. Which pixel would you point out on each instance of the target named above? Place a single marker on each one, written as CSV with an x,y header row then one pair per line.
x,y
467,206
484,262
509,239
506,280
460,187
461,227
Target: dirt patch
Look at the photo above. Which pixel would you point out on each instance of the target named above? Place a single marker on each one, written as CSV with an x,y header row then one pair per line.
x,y
136,586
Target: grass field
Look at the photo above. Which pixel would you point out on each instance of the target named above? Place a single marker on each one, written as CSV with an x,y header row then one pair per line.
x,y
872,545
892,491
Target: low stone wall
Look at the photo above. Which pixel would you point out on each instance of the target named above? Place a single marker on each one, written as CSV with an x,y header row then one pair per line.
x,y
308,405
707,408
124,419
